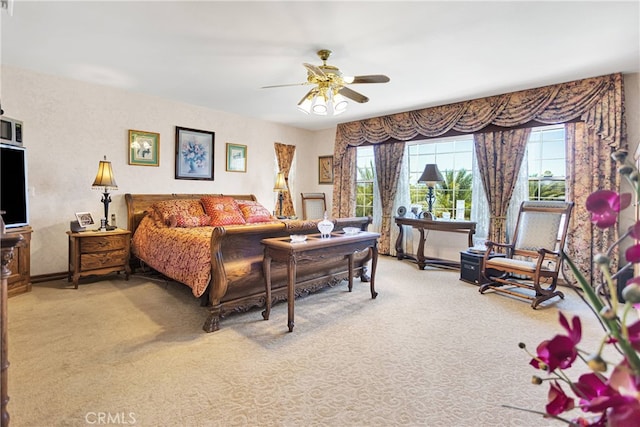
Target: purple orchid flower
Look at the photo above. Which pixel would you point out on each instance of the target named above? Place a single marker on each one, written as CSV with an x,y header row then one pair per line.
x,y
604,206
560,351
558,401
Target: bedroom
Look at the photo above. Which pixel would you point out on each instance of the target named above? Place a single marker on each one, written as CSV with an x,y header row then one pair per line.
x,y
67,132
72,121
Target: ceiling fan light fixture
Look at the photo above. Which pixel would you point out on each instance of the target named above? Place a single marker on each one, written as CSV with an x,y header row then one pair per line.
x,y
305,106
339,104
320,106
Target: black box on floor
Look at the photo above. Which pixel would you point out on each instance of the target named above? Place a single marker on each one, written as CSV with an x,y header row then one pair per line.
x,y
471,266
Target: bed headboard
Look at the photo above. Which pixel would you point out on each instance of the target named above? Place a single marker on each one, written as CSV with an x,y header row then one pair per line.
x,y
138,204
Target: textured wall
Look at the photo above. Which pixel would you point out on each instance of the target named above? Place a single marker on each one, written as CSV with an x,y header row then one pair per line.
x,y
70,125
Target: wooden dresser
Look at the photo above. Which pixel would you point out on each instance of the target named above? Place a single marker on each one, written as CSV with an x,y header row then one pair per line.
x,y
19,281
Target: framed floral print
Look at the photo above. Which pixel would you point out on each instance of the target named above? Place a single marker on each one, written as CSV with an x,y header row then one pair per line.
x,y
144,148
236,158
194,154
325,170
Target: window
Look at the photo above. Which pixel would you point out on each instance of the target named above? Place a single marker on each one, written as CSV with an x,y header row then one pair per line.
x,y
547,163
364,181
454,157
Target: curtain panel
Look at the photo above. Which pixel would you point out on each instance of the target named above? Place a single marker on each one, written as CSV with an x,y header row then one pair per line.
x,y
388,162
284,155
596,101
499,156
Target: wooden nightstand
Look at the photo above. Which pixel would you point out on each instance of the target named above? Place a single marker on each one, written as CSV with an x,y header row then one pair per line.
x,y
98,252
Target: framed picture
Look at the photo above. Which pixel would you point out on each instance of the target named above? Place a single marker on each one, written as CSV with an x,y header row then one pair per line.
x,y
194,154
236,158
144,148
325,170
84,219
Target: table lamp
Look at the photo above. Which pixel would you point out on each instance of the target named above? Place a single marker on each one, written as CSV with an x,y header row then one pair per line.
x,y
431,176
105,180
280,187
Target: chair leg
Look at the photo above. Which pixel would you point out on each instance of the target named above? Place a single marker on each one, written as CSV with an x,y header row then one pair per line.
x,y
538,299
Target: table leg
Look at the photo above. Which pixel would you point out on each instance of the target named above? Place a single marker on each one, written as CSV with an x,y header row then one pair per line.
x,y
266,268
374,265
420,255
350,259
399,241
291,288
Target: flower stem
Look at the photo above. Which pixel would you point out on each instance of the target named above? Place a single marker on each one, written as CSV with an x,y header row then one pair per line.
x,y
612,324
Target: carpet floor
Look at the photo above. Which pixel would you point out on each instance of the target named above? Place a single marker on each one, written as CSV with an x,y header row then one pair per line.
x,y
429,351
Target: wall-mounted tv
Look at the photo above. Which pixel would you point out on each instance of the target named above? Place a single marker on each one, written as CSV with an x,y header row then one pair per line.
x,y
14,200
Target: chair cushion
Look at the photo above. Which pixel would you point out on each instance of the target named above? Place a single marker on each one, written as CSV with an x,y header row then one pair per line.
x,y
509,264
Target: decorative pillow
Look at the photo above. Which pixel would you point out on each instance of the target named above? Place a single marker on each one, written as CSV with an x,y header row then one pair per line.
x,y
254,211
184,207
223,210
189,221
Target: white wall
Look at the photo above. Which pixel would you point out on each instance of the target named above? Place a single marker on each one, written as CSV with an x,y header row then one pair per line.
x,y
632,108
70,125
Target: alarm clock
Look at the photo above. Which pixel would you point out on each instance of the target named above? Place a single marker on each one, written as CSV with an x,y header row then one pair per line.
x,y
402,211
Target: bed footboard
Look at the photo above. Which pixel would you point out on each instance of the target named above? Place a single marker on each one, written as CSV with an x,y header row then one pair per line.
x,y
237,280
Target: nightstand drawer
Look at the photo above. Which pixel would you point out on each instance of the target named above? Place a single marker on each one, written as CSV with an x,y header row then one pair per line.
x,y
96,261
102,243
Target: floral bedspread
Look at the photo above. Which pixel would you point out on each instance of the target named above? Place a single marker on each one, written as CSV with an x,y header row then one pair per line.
x,y
183,254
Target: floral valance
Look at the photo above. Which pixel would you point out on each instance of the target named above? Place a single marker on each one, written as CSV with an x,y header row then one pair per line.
x,y
550,105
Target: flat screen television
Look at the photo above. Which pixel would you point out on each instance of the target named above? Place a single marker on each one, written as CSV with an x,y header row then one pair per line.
x,y
14,200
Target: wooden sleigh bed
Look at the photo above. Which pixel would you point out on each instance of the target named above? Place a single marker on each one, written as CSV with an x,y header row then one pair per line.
x,y
223,264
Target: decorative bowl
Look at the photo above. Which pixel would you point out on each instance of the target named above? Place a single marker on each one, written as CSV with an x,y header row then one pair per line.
x,y
351,230
298,238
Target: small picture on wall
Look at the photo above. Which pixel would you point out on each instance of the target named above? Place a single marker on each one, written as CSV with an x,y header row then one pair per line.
x,y
194,154
236,158
144,148
325,170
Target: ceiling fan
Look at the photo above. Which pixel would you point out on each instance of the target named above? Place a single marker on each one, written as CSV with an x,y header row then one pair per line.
x,y
330,91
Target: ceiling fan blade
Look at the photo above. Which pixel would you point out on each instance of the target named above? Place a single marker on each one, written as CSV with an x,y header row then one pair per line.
x,y
292,84
314,69
353,95
308,95
373,78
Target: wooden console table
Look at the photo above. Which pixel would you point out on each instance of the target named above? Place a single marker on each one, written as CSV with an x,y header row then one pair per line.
x,y
421,225
339,244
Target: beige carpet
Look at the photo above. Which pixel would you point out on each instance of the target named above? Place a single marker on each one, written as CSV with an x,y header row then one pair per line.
x,y
429,351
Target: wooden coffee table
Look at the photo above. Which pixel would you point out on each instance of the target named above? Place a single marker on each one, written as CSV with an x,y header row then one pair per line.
x,y
339,244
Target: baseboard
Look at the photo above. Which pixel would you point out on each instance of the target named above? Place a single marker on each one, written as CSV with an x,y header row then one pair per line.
x,y
48,277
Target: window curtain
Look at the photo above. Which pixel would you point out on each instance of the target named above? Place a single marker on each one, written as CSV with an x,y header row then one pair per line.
x,y
589,168
284,156
597,101
499,156
388,163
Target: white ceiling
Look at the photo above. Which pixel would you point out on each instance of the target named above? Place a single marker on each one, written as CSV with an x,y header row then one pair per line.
x,y
219,54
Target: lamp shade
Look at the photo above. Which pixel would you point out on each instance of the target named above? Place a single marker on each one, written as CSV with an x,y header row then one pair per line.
x,y
431,175
104,177
280,184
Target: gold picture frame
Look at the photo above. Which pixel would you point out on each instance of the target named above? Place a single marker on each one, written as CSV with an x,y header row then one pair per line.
x,y
325,170
236,157
144,148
